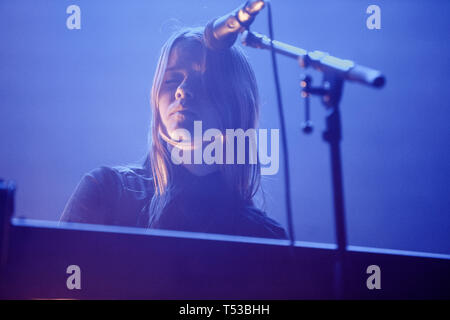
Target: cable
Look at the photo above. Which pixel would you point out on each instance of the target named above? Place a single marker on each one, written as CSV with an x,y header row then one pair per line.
x,y
283,130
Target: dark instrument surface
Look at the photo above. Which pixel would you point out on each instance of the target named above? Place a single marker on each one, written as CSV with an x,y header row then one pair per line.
x,y
127,263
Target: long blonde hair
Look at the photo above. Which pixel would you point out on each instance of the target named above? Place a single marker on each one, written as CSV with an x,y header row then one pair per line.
x,y
231,83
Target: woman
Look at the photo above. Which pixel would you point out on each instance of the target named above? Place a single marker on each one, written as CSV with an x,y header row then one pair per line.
x,y
191,83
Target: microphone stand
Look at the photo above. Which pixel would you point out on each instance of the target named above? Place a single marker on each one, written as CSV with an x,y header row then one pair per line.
x,y
335,71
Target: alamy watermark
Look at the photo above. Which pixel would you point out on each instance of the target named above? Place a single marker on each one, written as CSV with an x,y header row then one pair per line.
x,y
374,280
74,20
214,147
74,280
374,20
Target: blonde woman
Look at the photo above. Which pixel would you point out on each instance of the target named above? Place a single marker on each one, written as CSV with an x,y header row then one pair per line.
x,y
191,83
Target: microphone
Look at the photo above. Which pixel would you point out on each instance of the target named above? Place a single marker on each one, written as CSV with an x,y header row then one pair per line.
x,y
221,33
318,60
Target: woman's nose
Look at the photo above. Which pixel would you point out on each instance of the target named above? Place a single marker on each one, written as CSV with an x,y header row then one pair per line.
x,y
183,92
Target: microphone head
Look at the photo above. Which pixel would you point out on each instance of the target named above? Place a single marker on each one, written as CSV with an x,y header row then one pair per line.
x,y
379,81
221,33
212,42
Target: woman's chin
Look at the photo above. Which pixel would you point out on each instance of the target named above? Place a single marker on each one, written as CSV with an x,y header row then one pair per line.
x,y
182,131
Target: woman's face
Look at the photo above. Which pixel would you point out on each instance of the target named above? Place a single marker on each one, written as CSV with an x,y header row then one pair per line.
x,y
182,96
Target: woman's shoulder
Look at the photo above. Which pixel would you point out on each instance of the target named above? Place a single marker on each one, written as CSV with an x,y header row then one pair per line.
x,y
120,172
258,224
129,177
106,194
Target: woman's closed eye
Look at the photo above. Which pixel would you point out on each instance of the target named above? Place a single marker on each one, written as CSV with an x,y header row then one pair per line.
x,y
171,81
173,78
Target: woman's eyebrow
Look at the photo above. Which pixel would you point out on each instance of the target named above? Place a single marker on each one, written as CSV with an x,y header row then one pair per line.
x,y
175,69
194,66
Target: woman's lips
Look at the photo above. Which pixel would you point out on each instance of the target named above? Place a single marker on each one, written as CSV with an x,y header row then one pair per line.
x,y
184,111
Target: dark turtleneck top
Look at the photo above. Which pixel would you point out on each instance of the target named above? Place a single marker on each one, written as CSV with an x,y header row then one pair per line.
x,y
122,196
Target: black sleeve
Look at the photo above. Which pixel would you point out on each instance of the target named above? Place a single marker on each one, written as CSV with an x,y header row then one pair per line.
x,y
256,223
94,197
